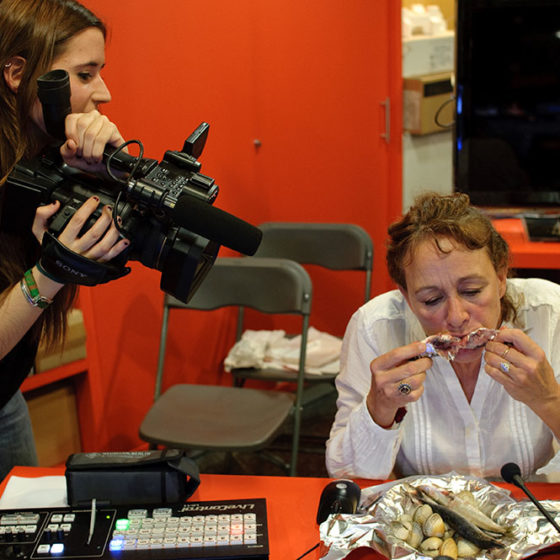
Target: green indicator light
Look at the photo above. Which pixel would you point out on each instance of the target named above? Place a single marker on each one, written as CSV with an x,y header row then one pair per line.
x,y
122,524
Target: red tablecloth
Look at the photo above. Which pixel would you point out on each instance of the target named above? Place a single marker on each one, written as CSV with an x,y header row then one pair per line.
x,y
291,506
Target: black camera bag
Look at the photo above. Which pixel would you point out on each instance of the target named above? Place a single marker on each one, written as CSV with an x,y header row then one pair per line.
x,y
128,478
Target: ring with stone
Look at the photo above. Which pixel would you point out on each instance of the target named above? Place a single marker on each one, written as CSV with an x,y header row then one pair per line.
x,y
404,388
504,366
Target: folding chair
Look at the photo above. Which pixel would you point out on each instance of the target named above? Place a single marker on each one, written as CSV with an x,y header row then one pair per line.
x,y
336,246
202,417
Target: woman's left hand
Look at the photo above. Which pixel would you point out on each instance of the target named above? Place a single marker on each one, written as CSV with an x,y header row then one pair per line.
x,y
520,365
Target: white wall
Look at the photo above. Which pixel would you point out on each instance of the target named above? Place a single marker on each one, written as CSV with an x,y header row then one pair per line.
x,y
427,164
428,159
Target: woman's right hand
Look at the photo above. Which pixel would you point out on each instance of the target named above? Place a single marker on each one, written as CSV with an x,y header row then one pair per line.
x,y
87,135
388,371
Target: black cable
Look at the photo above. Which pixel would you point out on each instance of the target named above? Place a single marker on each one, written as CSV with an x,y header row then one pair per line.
x,y
115,216
134,169
440,109
117,151
306,553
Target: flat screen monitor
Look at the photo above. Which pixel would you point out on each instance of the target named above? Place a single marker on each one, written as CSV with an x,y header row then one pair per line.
x,y
507,133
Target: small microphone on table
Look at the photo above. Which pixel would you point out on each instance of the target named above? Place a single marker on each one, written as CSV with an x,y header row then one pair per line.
x,y
512,473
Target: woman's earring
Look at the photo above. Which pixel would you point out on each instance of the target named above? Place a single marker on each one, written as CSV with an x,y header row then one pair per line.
x,y
13,72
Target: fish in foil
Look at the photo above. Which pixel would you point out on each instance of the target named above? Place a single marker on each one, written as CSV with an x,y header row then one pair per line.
x,y
455,516
455,526
447,346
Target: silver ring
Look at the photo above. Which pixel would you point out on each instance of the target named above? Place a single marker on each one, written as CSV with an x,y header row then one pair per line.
x,y
505,352
504,366
404,388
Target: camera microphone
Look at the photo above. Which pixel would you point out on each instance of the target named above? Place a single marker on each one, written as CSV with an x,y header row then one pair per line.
x,y
512,473
217,225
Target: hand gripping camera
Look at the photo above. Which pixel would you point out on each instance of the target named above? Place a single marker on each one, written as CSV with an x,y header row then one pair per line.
x,y
165,208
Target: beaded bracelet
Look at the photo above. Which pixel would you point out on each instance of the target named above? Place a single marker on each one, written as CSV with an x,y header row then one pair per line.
x,y
31,291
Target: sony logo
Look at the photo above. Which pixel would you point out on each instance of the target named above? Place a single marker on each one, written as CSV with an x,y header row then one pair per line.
x,y
70,270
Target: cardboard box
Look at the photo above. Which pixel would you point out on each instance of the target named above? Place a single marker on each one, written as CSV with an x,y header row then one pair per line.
x,y
447,7
74,347
54,417
428,54
423,98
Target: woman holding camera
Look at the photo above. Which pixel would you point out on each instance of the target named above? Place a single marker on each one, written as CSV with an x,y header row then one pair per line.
x,y
37,36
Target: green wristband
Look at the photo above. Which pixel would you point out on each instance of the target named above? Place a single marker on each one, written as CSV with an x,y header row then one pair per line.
x,y
31,291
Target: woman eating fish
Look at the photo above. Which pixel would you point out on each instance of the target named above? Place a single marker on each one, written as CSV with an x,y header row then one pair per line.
x,y
455,370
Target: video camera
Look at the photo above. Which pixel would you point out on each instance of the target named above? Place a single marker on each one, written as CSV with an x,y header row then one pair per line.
x,y
165,208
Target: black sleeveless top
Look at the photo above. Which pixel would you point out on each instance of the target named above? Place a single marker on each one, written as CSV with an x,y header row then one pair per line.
x,y
15,367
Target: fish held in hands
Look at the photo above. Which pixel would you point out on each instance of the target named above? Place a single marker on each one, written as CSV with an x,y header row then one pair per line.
x,y
448,346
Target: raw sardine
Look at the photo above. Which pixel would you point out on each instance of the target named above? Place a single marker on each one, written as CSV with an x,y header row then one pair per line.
x,y
466,509
463,526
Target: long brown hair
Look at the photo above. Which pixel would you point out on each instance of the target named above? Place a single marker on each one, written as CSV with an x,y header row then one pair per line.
x,y
38,31
434,216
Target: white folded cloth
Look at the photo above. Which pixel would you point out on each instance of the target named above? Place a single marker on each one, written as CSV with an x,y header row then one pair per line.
x,y
274,349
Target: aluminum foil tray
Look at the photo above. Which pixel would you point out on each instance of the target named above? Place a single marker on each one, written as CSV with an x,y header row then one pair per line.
x,y
529,532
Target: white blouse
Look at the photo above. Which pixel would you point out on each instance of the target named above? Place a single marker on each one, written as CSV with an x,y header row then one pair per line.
x,y
442,431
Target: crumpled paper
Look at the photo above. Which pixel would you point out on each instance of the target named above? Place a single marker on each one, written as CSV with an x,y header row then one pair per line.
x,y
381,504
276,350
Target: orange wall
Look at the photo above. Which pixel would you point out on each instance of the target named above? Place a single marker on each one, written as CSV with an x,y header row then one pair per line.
x,y
304,78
